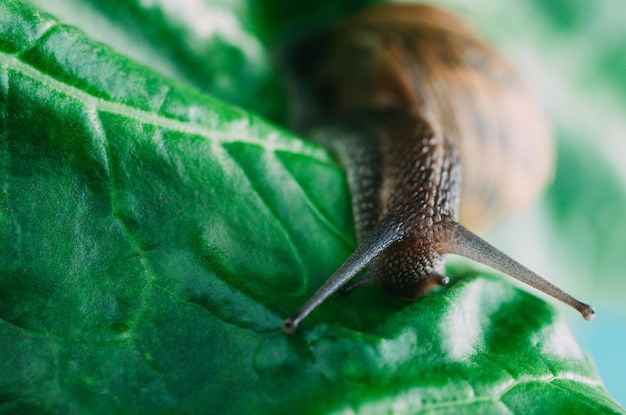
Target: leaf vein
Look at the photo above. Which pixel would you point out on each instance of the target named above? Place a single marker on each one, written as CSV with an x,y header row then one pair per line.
x,y
116,214
230,133
194,304
316,209
288,235
25,329
46,27
4,130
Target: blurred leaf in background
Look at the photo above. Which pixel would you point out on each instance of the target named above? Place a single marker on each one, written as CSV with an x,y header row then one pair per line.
x,y
211,209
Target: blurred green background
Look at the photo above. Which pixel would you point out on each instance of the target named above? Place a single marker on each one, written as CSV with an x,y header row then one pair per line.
x,y
571,51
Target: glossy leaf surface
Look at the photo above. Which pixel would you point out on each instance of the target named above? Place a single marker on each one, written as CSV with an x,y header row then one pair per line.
x,y
152,239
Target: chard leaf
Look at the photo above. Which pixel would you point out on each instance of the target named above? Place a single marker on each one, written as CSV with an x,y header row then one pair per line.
x,y
152,238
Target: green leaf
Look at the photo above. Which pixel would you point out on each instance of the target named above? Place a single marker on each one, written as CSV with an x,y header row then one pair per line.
x,y
207,44
220,47
152,239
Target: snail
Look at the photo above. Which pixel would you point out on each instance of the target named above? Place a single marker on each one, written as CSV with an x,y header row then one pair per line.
x,y
438,135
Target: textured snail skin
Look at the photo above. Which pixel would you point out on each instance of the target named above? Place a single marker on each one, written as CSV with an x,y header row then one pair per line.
x,y
430,125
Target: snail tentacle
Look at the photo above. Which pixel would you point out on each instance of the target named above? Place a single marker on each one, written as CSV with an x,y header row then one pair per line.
x,y
462,242
380,239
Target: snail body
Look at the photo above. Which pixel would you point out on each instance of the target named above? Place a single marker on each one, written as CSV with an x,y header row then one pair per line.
x,y
434,130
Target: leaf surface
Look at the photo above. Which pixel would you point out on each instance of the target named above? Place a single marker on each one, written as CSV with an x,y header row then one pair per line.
x,y
152,239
